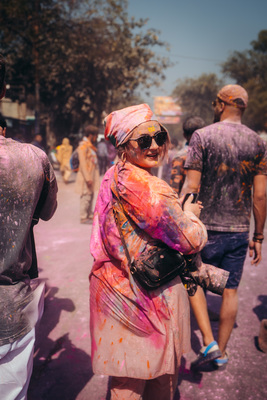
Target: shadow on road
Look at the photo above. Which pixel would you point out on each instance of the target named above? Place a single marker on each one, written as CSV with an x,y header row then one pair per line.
x,y
60,370
261,312
261,309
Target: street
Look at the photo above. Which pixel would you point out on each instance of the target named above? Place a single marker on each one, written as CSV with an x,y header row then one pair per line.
x,y
62,363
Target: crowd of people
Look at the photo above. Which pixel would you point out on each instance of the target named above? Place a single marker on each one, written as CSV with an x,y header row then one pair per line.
x,y
138,332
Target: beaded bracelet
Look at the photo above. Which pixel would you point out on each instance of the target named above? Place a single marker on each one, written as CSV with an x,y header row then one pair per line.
x,y
258,234
257,240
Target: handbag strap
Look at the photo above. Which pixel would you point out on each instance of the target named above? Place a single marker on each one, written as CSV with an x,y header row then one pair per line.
x,y
116,197
116,216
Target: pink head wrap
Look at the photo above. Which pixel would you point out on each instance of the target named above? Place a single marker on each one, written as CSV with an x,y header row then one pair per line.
x,y
119,124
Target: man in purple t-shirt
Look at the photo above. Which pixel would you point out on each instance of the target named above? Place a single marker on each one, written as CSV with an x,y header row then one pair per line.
x,y
228,159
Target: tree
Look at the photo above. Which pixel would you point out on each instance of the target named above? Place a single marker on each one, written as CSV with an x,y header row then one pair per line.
x,y
25,28
196,95
249,69
84,57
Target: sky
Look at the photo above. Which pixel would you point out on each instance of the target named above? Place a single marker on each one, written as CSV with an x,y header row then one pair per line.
x,y
201,33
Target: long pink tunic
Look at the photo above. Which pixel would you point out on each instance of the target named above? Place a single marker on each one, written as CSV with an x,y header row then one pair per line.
x,y
136,333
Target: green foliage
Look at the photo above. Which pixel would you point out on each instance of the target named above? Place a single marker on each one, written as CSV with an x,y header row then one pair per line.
x,y
81,57
249,69
195,95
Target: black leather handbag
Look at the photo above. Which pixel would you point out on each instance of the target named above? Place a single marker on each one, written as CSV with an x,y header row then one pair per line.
x,y
156,266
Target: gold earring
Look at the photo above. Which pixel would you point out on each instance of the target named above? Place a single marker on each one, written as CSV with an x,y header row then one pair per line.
x,y
123,157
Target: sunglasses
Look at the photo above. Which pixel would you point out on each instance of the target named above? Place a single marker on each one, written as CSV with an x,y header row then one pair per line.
x,y
214,103
145,141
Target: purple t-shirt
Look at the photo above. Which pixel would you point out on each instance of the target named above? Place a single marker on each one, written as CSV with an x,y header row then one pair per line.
x,y
228,156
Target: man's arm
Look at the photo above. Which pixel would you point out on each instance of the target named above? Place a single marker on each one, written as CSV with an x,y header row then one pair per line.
x,y
47,204
177,174
192,182
259,212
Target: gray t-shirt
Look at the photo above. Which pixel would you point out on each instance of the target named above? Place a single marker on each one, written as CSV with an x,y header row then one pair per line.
x,y
27,182
228,155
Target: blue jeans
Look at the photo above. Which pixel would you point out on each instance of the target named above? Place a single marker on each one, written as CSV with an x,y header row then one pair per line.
x,y
227,250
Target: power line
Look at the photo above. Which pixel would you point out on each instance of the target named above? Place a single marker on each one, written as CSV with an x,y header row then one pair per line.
x,y
190,57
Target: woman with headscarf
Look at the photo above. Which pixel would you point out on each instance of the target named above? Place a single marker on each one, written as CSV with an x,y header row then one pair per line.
x,y
139,336
64,152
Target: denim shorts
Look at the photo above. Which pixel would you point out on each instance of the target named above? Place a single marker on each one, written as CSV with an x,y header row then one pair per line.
x,y
227,250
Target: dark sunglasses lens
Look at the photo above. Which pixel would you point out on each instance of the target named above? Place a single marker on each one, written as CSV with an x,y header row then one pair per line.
x,y
144,142
161,138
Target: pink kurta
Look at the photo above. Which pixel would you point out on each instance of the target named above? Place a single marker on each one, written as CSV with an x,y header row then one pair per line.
x,y
136,333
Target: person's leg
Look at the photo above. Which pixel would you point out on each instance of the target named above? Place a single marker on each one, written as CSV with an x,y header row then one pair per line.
x,y
162,387
67,174
198,304
228,315
99,159
16,367
233,261
102,165
90,206
123,388
210,351
85,206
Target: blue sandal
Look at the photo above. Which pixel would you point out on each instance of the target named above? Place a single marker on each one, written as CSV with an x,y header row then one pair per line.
x,y
220,363
206,354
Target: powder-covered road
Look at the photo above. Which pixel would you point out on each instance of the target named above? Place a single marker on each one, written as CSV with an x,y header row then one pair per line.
x,y
62,364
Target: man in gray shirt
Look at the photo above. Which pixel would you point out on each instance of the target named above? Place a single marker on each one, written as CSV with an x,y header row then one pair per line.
x,y
28,191
229,162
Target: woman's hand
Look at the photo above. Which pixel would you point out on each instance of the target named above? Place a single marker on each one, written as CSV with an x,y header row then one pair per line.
x,y
193,207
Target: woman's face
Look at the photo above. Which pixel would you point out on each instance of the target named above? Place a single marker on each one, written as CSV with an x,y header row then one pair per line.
x,y
147,158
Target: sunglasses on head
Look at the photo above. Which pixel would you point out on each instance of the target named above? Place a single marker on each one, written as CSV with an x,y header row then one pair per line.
x,y
214,103
145,141
236,103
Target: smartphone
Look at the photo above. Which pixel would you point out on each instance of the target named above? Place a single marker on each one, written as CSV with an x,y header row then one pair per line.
x,y
189,194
